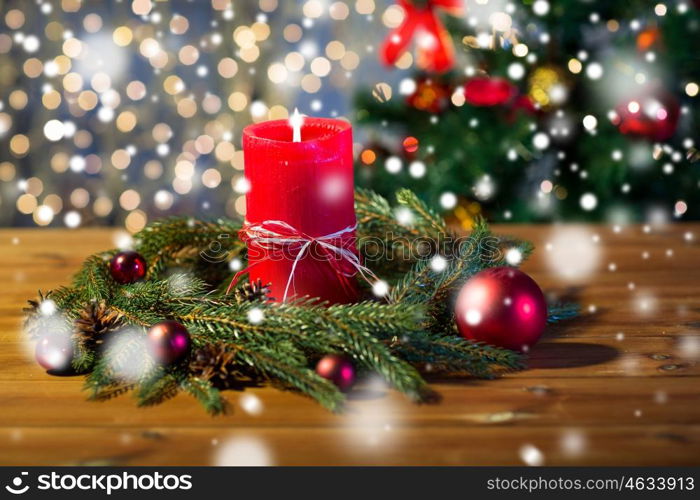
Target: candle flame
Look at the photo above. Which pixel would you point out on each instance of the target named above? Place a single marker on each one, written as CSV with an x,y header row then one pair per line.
x,y
296,121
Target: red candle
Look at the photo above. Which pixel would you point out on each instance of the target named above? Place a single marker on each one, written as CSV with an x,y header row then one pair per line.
x,y
308,186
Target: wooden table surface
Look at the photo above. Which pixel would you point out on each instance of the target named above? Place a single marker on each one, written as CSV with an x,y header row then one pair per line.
x,y
618,386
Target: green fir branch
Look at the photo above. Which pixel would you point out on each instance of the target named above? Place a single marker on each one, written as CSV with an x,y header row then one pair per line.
x,y
429,222
292,375
562,311
107,390
93,280
157,388
170,241
207,395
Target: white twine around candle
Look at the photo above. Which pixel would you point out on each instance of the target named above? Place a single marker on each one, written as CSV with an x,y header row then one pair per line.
x,y
275,235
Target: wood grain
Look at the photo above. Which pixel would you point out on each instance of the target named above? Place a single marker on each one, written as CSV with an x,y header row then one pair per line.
x,y
615,387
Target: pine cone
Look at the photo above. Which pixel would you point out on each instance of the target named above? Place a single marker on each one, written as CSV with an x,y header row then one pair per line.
x,y
217,363
96,320
251,292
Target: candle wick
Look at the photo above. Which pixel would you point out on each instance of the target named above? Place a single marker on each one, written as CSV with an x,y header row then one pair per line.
x,y
296,121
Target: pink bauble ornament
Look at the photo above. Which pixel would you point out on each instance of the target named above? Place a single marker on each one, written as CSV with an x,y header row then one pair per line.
x,y
503,307
168,342
55,352
338,369
127,267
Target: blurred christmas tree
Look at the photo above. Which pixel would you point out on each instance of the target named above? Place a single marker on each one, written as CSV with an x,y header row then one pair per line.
x,y
576,109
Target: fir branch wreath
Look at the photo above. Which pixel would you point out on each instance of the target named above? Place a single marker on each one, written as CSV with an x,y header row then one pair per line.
x,y
402,337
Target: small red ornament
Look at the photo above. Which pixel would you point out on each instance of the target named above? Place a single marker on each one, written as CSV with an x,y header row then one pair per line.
x,y
55,352
410,144
127,267
338,369
488,91
168,342
653,115
502,306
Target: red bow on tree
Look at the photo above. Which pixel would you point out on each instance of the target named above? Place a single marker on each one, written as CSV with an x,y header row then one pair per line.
x,y
435,51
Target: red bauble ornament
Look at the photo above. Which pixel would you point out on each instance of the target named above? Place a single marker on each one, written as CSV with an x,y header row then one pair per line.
x,y
168,342
487,91
410,144
55,352
338,369
652,115
503,307
127,267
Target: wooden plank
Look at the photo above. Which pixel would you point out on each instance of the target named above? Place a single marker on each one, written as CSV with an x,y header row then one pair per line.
x,y
368,445
630,399
504,402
